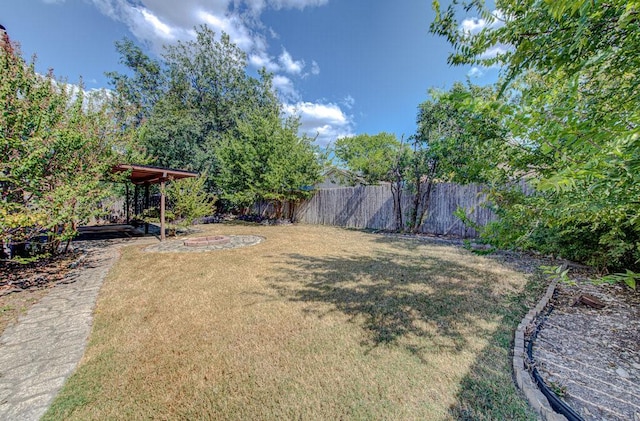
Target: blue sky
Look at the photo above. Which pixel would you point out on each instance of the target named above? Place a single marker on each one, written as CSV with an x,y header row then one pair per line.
x,y
345,66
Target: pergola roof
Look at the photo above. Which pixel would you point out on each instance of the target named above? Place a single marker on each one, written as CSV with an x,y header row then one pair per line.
x,y
146,174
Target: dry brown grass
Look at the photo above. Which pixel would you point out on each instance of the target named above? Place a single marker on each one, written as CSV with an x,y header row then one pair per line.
x,y
313,323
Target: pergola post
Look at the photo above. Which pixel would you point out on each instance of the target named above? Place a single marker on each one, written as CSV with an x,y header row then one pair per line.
x,y
162,234
126,203
146,206
136,207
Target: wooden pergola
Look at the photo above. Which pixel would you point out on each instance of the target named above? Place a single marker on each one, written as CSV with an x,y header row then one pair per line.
x,y
145,175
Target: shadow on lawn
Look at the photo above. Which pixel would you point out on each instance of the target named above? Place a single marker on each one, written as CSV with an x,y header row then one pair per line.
x,y
395,295
488,391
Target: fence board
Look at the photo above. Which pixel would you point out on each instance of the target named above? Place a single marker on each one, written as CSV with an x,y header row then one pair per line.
x,y
372,207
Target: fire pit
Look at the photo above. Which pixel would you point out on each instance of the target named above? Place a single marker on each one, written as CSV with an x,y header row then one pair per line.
x,y
206,241
205,244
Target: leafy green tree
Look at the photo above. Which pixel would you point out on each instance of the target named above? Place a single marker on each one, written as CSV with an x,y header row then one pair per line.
x,y
374,159
57,145
265,159
464,138
575,67
193,97
370,157
143,89
457,141
188,200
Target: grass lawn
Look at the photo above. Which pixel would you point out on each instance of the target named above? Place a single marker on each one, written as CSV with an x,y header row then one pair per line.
x,y
313,323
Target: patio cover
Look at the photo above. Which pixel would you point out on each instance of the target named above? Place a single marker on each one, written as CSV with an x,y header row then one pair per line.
x,y
146,175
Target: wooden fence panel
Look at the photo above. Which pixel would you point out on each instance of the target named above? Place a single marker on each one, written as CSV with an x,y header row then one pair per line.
x,y
372,207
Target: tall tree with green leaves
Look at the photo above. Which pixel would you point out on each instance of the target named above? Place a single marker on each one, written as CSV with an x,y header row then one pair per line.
x,y
265,159
370,157
190,99
374,159
57,145
575,67
457,140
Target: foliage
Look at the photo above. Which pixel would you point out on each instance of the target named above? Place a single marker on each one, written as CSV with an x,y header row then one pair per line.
x,y
371,157
188,200
199,110
558,273
464,139
376,158
57,143
571,77
457,140
264,159
629,278
188,101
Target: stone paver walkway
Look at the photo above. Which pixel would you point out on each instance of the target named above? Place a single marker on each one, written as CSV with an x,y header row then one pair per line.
x,y
43,348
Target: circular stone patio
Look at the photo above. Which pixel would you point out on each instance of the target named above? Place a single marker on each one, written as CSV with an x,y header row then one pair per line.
x,y
189,245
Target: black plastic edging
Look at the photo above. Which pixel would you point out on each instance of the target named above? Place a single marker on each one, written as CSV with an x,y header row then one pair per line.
x,y
557,404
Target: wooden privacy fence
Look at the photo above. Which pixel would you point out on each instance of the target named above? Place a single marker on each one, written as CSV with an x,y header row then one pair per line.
x,y
372,207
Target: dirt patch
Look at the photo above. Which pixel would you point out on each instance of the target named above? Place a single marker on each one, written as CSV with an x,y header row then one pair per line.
x,y
23,285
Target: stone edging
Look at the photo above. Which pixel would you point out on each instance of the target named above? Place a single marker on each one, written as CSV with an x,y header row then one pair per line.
x,y
178,245
523,379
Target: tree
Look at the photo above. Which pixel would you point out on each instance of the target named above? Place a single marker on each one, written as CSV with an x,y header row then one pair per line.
x,y
57,145
457,140
188,200
370,157
192,98
264,159
144,88
377,158
575,67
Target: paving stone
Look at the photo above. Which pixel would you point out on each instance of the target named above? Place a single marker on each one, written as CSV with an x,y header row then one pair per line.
x,y
43,348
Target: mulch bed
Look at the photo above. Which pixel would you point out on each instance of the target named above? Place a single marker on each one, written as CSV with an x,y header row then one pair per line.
x,y
590,356
22,285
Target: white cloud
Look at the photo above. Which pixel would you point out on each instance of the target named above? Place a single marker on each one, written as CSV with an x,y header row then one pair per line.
x,y
285,88
160,21
261,59
273,34
474,25
290,65
315,68
475,72
325,122
234,27
297,4
494,51
161,29
348,101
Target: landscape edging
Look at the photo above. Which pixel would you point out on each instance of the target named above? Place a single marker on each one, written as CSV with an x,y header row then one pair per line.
x,y
522,377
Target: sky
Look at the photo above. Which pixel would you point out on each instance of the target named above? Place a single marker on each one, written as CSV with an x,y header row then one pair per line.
x,y
346,67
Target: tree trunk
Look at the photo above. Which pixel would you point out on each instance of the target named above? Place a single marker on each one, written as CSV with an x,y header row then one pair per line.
x,y
396,192
278,208
426,195
417,199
